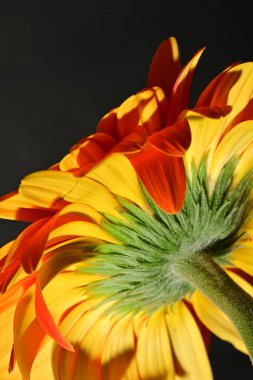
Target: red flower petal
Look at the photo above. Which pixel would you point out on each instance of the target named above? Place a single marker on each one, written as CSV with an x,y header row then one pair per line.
x,y
173,140
133,142
34,239
227,79
108,124
181,91
32,243
163,176
8,274
165,66
46,321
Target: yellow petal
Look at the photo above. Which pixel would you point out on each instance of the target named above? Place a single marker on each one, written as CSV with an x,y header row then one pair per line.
x,y
235,143
216,321
118,358
205,134
154,355
65,290
119,176
243,258
10,206
188,346
240,93
42,366
88,362
92,193
44,188
81,325
6,328
61,293
241,282
83,210
244,165
85,229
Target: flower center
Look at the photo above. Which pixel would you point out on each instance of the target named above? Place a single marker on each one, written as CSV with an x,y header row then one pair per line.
x,y
139,274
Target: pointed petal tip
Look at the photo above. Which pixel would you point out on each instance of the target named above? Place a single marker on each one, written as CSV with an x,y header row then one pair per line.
x,y
46,321
165,66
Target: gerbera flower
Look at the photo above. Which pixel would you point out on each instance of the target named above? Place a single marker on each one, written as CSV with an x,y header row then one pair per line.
x,y
106,284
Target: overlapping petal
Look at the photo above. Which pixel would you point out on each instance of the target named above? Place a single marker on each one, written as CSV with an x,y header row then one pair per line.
x,y
148,144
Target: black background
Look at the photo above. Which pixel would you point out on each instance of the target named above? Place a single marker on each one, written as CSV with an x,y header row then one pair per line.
x,y
64,65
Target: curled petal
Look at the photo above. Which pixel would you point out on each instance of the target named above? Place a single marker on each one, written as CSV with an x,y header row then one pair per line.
x,y
46,321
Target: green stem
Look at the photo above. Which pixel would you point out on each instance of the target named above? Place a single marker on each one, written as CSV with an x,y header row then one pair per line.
x,y
204,274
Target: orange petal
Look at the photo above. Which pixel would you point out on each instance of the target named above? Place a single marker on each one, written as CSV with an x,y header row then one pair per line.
x,y
46,321
163,176
181,91
165,66
174,140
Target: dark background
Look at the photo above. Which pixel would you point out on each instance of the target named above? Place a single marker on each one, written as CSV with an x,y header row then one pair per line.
x,y
64,65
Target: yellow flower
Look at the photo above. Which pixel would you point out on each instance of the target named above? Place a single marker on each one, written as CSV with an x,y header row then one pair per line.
x,y
111,286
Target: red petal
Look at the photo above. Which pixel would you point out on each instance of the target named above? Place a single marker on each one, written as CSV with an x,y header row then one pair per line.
x,y
181,91
35,237
8,274
108,124
32,243
207,96
46,321
163,176
165,66
133,142
94,148
90,151
174,140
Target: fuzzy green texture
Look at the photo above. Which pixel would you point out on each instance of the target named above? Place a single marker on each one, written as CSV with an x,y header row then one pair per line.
x,y
142,274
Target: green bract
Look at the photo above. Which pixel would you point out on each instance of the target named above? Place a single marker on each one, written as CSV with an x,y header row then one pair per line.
x,y
140,274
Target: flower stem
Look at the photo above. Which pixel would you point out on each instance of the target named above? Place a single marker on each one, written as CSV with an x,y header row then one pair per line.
x,y
204,274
